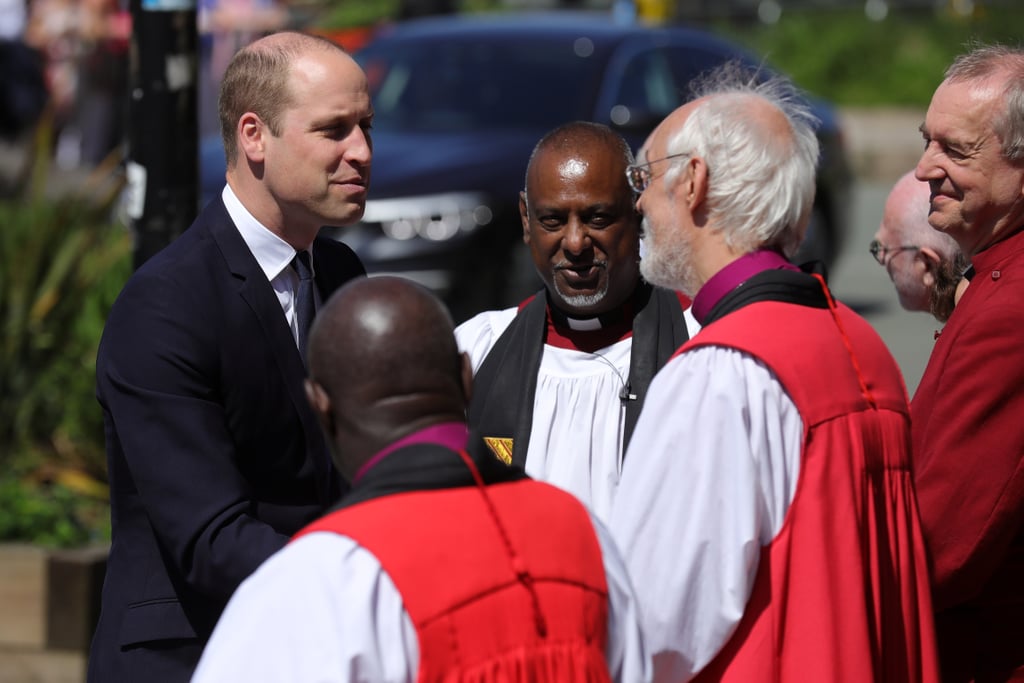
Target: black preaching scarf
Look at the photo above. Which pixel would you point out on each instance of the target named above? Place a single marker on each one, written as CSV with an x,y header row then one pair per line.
x,y
785,286
505,384
424,467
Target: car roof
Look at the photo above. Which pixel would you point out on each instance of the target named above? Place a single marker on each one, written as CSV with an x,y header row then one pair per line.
x,y
601,28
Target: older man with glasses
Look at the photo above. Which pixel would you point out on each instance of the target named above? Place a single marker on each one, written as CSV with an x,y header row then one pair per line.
x,y
967,412
769,522
925,265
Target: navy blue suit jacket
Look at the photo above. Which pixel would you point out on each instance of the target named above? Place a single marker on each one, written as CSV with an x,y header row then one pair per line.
x,y
215,457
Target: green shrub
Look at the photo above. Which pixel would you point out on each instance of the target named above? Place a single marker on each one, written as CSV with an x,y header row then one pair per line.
x,y
845,57
51,515
63,259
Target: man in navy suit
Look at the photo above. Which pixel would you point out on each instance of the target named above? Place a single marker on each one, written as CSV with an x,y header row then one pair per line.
x,y
214,455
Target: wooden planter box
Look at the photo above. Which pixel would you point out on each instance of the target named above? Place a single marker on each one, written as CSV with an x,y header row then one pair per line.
x,y
49,604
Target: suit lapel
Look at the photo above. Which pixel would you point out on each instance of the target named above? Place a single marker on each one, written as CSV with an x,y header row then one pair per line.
x,y
255,290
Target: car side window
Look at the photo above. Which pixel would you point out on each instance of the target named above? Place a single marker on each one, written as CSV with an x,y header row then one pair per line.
x,y
647,85
688,63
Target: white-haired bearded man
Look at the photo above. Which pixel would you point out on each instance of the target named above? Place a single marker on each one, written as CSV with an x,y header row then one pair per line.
x,y
771,531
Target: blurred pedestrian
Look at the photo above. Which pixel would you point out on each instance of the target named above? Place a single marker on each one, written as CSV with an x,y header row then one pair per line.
x,y
52,30
768,514
101,98
431,568
23,89
968,432
224,27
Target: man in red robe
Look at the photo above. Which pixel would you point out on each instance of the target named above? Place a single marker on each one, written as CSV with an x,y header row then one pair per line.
x,y
967,412
772,530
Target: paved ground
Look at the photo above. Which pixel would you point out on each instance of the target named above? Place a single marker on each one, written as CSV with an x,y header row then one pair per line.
x,y
883,144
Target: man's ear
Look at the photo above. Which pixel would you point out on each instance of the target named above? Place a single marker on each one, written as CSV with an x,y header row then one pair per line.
x,y
697,187
321,404
524,217
931,260
251,132
467,377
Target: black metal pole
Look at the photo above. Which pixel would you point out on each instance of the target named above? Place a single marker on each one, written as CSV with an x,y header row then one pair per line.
x,y
163,133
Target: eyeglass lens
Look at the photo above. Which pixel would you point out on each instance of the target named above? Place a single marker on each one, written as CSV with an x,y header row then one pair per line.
x,y
638,177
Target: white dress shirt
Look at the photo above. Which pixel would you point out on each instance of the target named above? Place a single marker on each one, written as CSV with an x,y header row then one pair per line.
x,y
273,255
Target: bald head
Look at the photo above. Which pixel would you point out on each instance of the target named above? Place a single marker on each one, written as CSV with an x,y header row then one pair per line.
x,y
383,363
579,219
925,275
906,218
576,138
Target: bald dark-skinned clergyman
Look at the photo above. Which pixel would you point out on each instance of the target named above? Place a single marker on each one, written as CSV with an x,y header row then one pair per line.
x,y
560,379
430,565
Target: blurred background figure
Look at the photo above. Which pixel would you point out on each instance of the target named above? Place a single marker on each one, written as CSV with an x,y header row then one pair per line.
x,y
85,48
12,19
22,82
101,103
925,265
51,30
224,27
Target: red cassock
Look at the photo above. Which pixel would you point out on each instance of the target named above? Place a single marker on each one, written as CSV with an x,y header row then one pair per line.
x,y
513,592
842,592
968,426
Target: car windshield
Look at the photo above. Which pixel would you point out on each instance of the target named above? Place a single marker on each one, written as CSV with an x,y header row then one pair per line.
x,y
465,85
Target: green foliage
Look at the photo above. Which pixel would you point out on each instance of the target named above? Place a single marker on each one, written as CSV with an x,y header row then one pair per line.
x,y
50,515
838,54
845,57
352,14
356,13
63,259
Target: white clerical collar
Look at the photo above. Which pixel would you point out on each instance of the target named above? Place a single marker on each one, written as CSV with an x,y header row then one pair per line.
x,y
592,323
583,324
272,253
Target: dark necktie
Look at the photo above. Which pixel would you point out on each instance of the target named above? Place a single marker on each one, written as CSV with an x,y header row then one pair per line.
x,y
304,304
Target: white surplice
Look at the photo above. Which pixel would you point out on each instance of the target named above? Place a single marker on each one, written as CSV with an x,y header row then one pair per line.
x,y
720,442
578,417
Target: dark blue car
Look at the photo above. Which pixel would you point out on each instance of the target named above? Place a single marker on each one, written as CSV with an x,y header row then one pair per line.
x,y
461,100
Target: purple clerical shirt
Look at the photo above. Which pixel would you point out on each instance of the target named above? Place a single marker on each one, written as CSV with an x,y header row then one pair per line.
x,y
735,274
453,435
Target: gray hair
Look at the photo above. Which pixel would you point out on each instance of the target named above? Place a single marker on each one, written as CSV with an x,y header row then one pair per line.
x,y
761,185
983,62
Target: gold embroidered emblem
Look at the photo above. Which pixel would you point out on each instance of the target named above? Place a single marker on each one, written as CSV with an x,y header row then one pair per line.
x,y
501,447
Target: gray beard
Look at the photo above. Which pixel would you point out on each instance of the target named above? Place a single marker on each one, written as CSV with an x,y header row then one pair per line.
x,y
583,300
668,264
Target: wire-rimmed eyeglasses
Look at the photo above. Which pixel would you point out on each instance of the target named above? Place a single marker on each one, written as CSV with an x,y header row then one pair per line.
x,y
639,175
880,251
